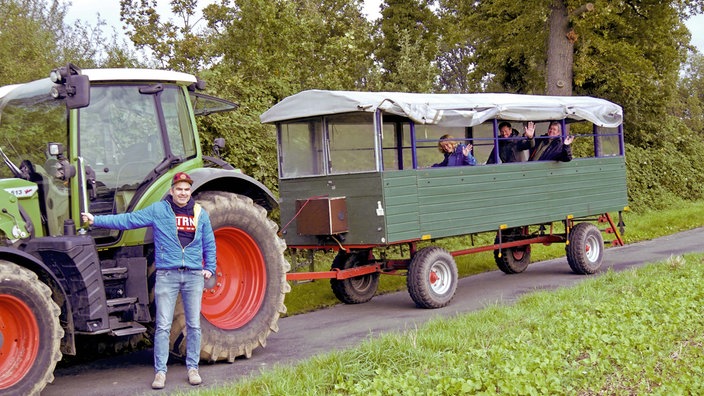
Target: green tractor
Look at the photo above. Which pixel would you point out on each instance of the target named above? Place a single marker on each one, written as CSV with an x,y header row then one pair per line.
x,y
109,141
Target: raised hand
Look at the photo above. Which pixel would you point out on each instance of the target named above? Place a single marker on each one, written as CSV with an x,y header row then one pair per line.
x,y
529,129
568,140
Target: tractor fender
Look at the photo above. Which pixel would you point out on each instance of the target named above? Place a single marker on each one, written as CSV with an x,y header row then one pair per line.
x,y
34,264
215,179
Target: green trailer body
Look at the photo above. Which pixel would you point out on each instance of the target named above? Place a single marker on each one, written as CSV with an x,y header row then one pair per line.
x,y
453,201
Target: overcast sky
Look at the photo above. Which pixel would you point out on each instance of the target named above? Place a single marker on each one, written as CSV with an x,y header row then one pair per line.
x,y
109,10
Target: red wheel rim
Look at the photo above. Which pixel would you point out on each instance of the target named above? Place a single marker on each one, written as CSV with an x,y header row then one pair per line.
x,y
240,280
434,277
19,340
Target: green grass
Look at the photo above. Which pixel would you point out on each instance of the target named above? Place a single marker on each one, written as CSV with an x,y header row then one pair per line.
x,y
639,331
306,297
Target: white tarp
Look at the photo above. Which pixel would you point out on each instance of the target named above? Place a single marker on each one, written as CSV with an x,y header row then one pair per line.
x,y
448,109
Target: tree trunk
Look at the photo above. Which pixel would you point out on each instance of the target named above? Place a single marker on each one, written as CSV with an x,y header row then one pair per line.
x,y
560,51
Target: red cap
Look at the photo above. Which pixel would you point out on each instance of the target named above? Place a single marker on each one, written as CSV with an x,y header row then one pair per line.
x,y
182,177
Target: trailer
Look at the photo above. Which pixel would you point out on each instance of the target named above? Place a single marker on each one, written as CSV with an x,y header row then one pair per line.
x,y
355,177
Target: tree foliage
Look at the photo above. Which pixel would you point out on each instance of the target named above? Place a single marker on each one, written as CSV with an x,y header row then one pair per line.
x,y
179,45
34,38
407,45
270,49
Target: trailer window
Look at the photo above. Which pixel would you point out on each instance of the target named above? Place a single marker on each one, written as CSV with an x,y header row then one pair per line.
x,y
352,145
427,137
301,148
396,145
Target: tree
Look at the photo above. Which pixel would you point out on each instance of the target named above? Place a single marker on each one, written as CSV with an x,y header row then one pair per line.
x,y
29,32
181,46
34,39
270,49
407,44
625,51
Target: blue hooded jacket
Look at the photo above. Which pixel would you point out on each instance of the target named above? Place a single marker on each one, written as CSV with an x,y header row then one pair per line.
x,y
457,158
169,254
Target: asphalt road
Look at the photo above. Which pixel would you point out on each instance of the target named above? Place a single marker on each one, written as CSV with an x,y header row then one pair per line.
x,y
344,326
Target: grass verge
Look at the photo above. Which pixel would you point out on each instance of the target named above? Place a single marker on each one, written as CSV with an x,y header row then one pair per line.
x,y
635,332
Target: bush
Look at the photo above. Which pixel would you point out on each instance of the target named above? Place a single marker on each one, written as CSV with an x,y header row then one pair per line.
x,y
659,177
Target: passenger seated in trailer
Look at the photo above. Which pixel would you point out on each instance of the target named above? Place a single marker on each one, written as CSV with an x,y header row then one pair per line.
x,y
550,147
456,154
509,149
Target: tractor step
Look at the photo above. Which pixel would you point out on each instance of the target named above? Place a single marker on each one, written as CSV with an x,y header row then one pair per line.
x,y
128,328
113,302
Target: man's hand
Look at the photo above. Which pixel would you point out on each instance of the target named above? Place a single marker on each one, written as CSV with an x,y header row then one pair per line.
x,y
207,274
467,149
529,130
568,140
87,218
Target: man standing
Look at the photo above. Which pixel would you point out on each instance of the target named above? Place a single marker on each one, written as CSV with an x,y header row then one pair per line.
x,y
184,257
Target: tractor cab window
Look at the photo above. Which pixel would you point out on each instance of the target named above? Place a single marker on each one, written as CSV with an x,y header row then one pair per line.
x,y
179,126
30,120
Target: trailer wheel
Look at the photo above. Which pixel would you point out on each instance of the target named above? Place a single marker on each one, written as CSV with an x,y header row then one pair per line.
x,y
432,277
30,332
585,249
243,301
512,260
355,290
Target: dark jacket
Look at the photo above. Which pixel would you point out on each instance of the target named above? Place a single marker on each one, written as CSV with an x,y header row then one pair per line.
x,y
550,149
509,149
457,158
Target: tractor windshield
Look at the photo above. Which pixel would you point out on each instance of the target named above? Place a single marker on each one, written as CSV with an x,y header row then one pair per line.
x,y
125,133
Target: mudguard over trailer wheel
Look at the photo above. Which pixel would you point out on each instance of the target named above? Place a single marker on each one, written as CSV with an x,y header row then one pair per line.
x,y
242,305
30,332
585,249
355,290
432,277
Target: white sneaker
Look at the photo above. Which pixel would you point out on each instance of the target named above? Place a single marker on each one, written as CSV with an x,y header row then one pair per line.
x,y
194,377
159,380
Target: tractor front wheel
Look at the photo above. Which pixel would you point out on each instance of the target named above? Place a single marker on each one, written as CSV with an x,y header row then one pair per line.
x,y
30,332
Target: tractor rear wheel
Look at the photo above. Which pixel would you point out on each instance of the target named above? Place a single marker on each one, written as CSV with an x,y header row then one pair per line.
x,y
30,332
242,302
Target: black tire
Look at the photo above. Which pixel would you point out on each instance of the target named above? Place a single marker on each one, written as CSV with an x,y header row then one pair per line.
x,y
585,249
355,290
30,335
242,304
512,260
432,278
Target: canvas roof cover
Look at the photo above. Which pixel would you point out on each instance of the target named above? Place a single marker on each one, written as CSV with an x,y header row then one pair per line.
x,y
448,109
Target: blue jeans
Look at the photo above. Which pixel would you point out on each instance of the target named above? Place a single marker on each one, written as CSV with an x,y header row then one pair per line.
x,y
168,284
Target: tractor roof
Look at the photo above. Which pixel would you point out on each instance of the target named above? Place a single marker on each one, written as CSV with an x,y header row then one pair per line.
x,y
107,75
